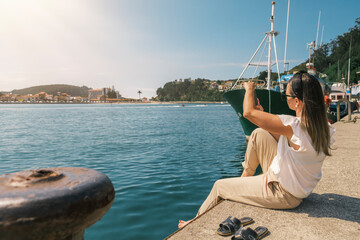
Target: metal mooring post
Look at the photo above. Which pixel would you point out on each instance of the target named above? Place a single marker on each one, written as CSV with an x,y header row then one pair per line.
x,y
349,109
52,203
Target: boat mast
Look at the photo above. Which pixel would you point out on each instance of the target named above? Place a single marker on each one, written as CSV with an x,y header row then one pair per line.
x,y
270,36
317,32
271,33
322,33
310,65
310,48
286,64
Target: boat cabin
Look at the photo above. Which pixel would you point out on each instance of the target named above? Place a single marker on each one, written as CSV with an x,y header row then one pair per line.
x,y
338,92
336,96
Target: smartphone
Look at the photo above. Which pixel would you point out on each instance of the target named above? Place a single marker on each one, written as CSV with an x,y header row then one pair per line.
x,y
255,98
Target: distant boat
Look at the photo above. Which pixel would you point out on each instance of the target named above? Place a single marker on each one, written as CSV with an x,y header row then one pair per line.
x,y
339,93
355,89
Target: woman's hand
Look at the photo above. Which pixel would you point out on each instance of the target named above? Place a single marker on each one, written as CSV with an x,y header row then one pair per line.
x,y
250,86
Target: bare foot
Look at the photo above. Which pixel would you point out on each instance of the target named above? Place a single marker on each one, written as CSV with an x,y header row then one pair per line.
x,y
183,223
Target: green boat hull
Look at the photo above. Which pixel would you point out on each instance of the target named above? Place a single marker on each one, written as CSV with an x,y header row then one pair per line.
x,y
278,106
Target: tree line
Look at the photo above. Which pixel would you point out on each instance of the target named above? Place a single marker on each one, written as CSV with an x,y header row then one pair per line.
x,y
188,90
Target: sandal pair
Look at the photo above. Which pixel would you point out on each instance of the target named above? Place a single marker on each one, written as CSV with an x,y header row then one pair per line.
x,y
233,225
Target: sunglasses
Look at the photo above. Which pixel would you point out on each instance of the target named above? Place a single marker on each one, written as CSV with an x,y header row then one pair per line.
x,y
284,96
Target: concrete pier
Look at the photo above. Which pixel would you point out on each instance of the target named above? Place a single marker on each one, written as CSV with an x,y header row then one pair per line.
x,y
332,211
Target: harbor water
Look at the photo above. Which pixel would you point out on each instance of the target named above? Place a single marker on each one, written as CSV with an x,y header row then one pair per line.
x,y
162,159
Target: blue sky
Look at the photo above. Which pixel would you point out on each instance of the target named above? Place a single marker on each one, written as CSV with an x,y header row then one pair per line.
x,y
142,44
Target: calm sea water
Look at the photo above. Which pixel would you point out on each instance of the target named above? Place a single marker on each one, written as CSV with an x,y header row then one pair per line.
x,y
161,159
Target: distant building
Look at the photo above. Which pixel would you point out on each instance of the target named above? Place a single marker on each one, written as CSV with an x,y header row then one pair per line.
x,y
98,93
41,96
5,97
221,88
213,85
94,93
28,98
78,99
229,83
66,97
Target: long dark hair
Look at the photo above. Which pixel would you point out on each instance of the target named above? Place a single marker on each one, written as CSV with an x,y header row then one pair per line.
x,y
313,116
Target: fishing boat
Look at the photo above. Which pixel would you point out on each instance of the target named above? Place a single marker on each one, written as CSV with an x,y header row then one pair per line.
x,y
339,95
355,89
269,94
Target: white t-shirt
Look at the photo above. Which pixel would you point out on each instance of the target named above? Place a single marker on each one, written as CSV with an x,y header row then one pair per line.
x,y
298,171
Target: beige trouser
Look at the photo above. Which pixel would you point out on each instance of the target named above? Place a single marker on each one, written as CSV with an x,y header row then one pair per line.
x,y
263,190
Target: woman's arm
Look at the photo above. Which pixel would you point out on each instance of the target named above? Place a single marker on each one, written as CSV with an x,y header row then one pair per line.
x,y
264,120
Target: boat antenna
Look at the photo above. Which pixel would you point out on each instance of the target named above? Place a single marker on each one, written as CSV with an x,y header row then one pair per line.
x,y
269,49
286,64
317,32
338,71
348,77
310,47
322,33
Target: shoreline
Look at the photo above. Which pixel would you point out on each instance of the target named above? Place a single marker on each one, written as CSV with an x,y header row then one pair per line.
x,y
168,102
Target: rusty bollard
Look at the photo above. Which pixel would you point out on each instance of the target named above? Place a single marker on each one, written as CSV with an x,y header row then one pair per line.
x,y
52,203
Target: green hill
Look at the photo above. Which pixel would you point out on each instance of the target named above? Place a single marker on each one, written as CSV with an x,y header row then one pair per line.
x,y
54,89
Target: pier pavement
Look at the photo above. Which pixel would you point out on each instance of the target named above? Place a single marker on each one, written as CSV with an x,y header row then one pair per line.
x,y
332,211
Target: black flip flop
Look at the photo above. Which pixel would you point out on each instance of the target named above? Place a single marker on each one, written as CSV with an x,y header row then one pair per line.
x,y
230,225
249,234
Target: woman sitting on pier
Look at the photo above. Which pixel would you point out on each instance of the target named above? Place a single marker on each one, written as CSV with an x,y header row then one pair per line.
x,y
290,150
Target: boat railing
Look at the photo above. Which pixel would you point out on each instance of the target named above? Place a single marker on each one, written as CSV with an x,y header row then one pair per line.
x,y
241,83
348,108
